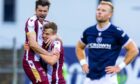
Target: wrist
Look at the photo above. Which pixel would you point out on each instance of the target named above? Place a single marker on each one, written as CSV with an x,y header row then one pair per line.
x,y
122,65
83,61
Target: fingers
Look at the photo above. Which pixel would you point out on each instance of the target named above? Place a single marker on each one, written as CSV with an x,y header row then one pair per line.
x,y
109,70
26,46
85,68
56,51
48,42
112,69
86,71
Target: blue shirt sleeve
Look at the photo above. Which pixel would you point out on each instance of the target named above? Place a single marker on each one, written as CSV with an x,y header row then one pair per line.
x,y
84,37
122,37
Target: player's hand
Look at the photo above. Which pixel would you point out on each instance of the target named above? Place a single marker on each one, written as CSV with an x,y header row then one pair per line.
x,y
85,68
50,40
56,52
26,46
112,69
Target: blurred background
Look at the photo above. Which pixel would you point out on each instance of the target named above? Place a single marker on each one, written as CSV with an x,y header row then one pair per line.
x,y
72,17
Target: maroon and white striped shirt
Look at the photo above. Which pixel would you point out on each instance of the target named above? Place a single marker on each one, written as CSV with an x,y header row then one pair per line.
x,y
55,73
33,25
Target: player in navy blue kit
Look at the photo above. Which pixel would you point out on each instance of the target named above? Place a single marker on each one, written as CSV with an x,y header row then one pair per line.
x,y
104,42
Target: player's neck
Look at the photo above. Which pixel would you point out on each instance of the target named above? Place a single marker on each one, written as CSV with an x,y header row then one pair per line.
x,y
41,21
102,24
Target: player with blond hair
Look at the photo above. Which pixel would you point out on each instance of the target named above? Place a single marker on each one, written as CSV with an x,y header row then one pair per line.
x,y
104,42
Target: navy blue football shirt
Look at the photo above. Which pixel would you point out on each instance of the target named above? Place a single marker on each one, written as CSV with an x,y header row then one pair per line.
x,y
104,46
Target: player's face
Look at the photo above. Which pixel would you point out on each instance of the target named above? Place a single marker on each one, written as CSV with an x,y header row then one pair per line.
x,y
42,12
103,13
47,33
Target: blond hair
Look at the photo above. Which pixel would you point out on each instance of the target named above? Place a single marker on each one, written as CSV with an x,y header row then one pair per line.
x,y
107,3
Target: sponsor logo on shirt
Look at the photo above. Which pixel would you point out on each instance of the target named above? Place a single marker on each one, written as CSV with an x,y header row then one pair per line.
x,y
99,45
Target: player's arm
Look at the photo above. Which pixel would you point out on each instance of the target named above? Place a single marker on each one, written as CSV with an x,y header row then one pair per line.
x,y
51,39
80,53
34,45
55,53
52,58
132,52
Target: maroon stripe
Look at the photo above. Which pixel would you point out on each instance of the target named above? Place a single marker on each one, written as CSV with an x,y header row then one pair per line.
x,y
60,71
31,53
26,30
60,75
54,74
28,71
36,28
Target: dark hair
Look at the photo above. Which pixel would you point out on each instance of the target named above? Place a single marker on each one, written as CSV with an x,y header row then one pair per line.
x,y
42,3
51,25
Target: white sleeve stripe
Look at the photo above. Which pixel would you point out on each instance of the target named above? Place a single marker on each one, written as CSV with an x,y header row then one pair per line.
x,y
57,73
129,40
123,34
27,52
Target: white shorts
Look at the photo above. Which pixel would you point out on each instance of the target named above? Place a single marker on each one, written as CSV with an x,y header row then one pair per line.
x,y
107,79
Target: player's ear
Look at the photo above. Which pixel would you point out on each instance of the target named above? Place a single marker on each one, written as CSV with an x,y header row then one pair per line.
x,y
54,33
110,15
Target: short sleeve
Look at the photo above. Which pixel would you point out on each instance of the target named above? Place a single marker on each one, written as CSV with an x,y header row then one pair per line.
x,y
83,37
57,45
122,37
30,25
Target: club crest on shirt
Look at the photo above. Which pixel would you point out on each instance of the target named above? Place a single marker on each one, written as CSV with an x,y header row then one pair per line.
x,y
99,34
99,39
40,37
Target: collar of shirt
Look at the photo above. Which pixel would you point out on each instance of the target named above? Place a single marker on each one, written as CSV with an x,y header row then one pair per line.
x,y
104,28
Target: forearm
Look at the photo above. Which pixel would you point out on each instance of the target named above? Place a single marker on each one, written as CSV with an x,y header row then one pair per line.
x,y
130,55
34,45
80,53
132,52
50,59
38,49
